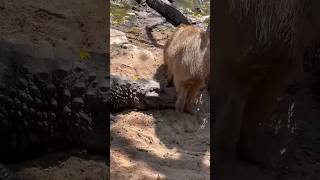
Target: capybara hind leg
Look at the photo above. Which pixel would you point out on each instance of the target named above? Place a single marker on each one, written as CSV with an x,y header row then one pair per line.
x,y
180,103
169,80
191,98
188,108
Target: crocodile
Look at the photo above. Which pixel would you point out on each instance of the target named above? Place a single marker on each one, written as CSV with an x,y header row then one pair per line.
x,y
48,102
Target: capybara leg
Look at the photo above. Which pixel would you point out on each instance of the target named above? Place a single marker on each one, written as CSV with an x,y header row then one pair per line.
x,y
192,97
169,80
181,100
192,94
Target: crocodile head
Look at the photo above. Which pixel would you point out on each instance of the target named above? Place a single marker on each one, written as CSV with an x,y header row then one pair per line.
x,y
151,96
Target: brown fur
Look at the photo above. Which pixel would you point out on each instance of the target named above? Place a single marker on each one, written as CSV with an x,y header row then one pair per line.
x,y
253,64
187,57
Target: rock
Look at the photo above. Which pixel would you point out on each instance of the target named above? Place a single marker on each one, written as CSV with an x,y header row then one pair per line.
x,y
117,37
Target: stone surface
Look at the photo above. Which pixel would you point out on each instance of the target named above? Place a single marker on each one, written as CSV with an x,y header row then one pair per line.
x,y
117,37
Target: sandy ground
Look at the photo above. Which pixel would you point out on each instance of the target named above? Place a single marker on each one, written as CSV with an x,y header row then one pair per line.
x,y
61,24
71,165
157,144
72,24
